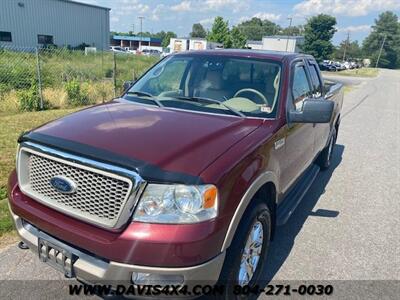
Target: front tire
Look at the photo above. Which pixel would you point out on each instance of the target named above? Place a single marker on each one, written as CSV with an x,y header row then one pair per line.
x,y
246,257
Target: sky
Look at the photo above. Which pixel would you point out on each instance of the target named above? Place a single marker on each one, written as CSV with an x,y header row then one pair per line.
x,y
353,16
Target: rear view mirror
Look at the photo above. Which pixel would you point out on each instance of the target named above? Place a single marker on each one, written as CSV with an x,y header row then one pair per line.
x,y
127,85
314,111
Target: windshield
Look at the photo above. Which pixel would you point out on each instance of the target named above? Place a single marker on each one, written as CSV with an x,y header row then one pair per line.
x,y
213,84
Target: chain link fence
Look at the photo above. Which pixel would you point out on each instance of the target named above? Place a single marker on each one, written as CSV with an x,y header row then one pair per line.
x,y
59,77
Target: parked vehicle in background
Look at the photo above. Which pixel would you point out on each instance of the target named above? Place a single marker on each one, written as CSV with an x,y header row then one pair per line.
x,y
101,195
325,66
366,62
347,65
117,49
151,52
159,49
333,66
130,50
339,66
166,51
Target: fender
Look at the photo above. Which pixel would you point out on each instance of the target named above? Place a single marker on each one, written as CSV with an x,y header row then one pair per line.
x,y
262,179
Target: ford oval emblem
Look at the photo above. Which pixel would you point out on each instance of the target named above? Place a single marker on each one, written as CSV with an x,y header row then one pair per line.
x,y
63,184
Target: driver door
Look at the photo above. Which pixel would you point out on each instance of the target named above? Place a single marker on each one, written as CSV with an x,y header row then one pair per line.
x,y
299,137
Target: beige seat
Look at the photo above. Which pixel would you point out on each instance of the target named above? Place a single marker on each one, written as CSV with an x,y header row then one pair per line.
x,y
212,87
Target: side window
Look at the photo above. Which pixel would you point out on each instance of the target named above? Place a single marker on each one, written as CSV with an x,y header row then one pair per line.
x,y
45,39
5,36
316,83
301,88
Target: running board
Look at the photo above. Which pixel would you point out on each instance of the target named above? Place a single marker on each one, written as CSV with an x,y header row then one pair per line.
x,y
287,206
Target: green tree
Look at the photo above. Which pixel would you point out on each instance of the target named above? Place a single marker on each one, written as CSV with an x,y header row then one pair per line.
x,y
292,30
238,38
165,37
353,50
386,28
220,32
318,33
256,29
198,31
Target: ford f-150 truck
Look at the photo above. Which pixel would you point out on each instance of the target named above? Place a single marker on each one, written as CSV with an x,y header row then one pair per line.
x,y
182,179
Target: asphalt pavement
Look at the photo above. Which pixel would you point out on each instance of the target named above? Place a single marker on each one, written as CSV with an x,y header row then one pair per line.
x,y
346,80
346,231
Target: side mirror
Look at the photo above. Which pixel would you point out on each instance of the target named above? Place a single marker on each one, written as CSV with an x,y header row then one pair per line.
x,y
127,85
314,111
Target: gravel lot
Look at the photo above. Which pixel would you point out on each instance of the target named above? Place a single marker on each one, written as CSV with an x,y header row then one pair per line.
x,y
346,232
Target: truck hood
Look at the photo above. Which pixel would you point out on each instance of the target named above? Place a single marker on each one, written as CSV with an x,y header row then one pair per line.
x,y
154,141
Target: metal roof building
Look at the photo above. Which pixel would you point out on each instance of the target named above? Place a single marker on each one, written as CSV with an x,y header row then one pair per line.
x,y
32,23
134,41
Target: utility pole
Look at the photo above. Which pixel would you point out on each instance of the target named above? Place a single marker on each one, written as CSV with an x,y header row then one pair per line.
x,y
141,32
133,29
346,45
380,51
290,25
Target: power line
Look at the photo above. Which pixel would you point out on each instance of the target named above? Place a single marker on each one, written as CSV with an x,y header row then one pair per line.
x,y
290,25
141,32
346,45
380,51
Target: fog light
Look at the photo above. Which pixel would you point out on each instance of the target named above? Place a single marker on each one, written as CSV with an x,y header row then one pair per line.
x,y
156,279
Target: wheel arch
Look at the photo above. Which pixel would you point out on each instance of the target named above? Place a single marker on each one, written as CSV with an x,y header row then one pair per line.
x,y
337,122
264,187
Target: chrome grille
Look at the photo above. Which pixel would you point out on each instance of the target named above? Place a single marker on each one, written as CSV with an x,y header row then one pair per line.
x,y
100,197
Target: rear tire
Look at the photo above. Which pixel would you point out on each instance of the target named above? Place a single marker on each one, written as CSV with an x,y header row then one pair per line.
x,y
257,217
325,158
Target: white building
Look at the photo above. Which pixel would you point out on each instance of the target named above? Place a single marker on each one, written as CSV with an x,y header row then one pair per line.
x,y
32,23
282,43
203,44
184,44
255,45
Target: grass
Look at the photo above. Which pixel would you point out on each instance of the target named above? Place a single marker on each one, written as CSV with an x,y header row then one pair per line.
x,y
18,70
11,126
363,72
348,88
95,73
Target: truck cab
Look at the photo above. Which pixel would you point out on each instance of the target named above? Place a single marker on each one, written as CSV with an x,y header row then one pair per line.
x,y
185,177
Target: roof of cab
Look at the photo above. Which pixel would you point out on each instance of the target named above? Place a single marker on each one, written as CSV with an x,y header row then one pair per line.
x,y
248,53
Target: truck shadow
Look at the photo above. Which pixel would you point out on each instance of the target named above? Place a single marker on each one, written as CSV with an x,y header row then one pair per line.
x,y
285,235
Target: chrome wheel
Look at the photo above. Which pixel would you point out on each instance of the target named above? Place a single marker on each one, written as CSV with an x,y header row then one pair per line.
x,y
251,253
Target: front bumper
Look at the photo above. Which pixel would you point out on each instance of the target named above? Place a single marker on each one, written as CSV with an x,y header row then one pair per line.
x,y
91,269
143,244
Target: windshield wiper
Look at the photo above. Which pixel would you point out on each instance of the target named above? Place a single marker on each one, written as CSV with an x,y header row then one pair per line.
x,y
213,101
144,94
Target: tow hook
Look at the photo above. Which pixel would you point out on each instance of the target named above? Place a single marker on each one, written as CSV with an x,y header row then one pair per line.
x,y
22,245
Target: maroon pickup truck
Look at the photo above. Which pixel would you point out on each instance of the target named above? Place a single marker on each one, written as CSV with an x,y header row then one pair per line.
x,y
185,177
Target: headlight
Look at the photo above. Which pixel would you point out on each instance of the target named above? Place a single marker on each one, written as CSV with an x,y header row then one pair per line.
x,y
161,203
